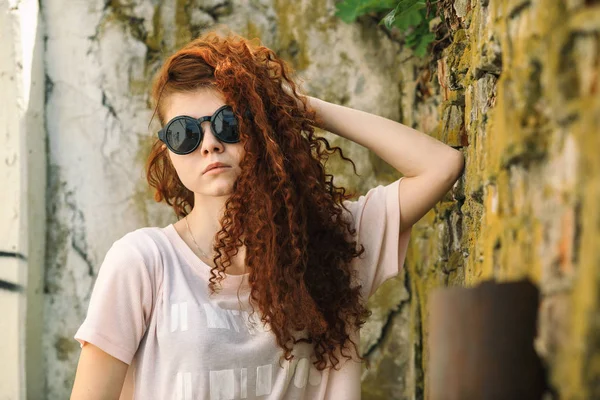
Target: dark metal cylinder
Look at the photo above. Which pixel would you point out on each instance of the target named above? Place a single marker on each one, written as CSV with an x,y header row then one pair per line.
x,y
481,343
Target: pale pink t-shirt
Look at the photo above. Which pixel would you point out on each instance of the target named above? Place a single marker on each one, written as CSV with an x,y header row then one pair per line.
x,y
150,308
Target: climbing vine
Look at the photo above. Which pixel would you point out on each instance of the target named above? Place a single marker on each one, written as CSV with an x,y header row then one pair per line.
x,y
410,17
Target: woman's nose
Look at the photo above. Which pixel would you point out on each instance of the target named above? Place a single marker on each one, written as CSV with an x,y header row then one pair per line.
x,y
210,143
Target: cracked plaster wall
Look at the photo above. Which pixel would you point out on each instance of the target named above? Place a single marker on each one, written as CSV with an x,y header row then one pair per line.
x,y
516,91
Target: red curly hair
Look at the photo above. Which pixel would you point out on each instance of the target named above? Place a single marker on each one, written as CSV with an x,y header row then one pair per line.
x,y
284,207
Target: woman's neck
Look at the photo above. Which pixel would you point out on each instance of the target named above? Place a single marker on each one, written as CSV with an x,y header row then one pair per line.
x,y
205,217
204,222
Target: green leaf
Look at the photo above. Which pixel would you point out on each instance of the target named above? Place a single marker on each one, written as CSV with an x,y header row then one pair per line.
x,y
408,19
410,16
411,40
397,12
405,5
423,45
389,19
349,10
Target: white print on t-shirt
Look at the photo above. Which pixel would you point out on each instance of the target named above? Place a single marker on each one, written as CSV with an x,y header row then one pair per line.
x,y
233,384
302,370
219,318
223,382
179,316
183,386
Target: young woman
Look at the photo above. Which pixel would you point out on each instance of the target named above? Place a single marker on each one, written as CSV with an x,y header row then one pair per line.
x,y
259,289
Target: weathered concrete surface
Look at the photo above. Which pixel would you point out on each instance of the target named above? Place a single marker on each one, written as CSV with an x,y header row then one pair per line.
x,y
22,200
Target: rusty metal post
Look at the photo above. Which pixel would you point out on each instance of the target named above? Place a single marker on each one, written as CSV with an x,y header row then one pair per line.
x,y
481,343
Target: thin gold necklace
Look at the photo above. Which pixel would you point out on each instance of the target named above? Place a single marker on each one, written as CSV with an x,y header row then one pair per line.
x,y
194,239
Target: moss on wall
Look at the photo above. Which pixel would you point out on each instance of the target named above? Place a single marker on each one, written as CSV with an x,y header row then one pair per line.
x,y
518,93
517,68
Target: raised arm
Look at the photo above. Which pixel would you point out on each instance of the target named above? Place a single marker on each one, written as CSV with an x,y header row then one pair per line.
x,y
430,167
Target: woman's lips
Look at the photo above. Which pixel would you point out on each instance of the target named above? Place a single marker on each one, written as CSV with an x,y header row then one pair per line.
x,y
216,170
214,165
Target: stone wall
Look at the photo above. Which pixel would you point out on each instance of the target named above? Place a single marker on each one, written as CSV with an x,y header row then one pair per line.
x,y
516,90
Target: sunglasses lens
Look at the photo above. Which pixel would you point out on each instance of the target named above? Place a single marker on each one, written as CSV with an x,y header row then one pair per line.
x,y
225,126
183,134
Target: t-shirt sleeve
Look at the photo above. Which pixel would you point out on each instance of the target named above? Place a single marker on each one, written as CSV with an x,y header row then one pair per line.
x,y
376,217
121,303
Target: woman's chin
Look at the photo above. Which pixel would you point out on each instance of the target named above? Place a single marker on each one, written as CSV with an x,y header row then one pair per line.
x,y
216,189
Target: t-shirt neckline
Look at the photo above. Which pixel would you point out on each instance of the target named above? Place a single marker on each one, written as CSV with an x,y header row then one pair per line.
x,y
181,246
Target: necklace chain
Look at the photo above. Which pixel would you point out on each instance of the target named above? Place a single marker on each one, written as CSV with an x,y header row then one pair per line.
x,y
194,239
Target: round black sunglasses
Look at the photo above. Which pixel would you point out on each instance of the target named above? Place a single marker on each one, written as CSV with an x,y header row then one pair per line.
x,y
183,134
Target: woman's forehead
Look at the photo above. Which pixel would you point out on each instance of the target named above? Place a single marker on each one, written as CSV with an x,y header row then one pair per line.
x,y
199,103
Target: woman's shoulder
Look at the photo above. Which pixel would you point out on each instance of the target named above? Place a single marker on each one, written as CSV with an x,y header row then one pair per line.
x,y
143,236
146,244
377,201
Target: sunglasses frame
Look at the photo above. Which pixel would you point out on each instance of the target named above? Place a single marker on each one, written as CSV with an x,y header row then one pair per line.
x,y
199,121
